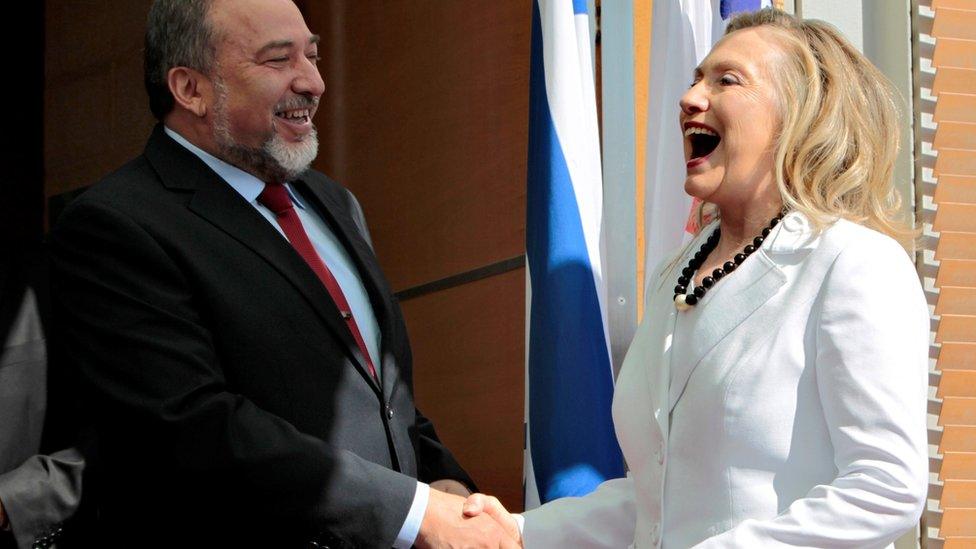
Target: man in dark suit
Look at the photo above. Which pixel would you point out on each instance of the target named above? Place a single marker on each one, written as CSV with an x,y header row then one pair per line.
x,y
248,366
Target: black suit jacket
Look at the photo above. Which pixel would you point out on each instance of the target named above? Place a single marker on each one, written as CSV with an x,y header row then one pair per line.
x,y
232,405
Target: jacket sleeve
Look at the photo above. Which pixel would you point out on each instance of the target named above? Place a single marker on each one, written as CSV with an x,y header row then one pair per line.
x,y
130,325
41,494
604,518
41,491
872,374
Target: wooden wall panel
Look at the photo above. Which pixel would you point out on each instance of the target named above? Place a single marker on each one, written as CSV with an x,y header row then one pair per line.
x,y
956,246
955,23
960,328
953,272
958,438
954,4
960,542
96,114
959,522
956,300
957,161
957,383
957,135
955,216
954,53
957,465
469,377
956,188
955,80
425,118
958,356
958,411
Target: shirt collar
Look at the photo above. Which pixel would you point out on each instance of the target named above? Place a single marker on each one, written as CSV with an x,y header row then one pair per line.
x,y
244,183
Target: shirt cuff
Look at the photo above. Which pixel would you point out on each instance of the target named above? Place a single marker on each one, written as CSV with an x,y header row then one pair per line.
x,y
411,525
520,520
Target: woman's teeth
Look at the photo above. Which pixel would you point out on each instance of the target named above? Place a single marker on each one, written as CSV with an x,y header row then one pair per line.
x,y
698,130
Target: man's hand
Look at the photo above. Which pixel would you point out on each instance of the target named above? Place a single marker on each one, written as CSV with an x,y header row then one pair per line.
x,y
478,504
445,527
451,487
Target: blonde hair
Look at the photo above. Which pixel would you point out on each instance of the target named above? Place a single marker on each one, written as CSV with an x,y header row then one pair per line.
x,y
836,149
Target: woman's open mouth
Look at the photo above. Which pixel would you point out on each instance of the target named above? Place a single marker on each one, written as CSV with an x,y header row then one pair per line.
x,y
703,141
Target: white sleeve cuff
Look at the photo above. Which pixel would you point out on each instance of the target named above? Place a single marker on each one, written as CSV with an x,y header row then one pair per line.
x,y
520,520
411,525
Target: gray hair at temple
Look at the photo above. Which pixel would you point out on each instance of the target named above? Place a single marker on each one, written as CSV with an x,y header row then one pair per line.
x,y
178,34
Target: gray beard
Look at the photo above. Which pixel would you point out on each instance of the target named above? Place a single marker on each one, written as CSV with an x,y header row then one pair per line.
x,y
275,161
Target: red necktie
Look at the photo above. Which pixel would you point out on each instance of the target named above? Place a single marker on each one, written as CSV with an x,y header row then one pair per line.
x,y
275,198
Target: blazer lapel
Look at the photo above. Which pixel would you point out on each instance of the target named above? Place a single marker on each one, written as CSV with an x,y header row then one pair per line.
x,y
215,201
661,330
733,300
381,298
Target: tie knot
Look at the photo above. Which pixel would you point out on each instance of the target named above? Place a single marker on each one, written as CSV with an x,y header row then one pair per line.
x,y
275,198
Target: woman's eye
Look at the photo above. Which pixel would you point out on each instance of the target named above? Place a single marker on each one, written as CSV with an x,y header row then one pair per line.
x,y
728,80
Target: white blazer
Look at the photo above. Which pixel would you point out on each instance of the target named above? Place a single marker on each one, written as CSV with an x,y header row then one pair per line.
x,y
799,420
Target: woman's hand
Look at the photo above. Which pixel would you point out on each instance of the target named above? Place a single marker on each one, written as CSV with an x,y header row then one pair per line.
x,y
477,504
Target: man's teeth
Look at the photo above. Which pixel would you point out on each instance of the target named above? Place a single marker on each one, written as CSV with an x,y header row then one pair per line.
x,y
297,115
696,129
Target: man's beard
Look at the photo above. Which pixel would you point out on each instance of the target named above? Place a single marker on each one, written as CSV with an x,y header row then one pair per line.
x,y
276,160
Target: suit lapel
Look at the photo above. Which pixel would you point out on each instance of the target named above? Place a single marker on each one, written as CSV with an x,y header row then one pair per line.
x,y
381,298
215,201
732,301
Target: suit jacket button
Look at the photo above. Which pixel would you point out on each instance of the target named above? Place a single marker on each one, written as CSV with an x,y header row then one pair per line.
x,y
389,412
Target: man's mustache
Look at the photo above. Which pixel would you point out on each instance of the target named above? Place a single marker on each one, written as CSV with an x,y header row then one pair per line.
x,y
298,102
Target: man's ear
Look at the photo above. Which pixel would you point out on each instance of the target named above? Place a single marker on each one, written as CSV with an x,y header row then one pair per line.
x,y
191,89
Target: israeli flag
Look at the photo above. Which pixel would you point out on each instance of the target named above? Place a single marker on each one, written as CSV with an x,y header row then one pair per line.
x,y
570,442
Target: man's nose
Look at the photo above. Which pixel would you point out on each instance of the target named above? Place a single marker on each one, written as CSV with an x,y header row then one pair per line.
x,y
309,81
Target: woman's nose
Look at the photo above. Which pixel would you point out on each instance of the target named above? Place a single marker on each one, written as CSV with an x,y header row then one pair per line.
x,y
694,100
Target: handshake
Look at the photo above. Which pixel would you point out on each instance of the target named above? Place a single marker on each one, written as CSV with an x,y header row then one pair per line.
x,y
478,521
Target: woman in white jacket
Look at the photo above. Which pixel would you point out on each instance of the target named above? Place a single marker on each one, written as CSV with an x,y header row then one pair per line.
x,y
774,395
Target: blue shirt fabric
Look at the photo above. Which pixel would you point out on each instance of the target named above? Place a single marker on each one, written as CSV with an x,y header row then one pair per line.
x,y
335,256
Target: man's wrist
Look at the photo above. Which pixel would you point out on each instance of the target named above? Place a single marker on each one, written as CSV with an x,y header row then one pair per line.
x,y
415,516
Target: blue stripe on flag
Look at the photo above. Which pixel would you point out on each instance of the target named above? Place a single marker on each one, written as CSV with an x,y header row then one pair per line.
x,y
570,381
728,8
579,6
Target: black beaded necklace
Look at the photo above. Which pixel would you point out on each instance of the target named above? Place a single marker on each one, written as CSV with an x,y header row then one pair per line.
x,y
683,299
